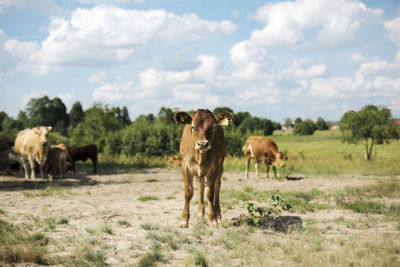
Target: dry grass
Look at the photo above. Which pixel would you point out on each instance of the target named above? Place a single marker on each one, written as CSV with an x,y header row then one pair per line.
x,y
112,226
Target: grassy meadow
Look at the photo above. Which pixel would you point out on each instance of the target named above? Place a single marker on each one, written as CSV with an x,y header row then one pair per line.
x,y
323,153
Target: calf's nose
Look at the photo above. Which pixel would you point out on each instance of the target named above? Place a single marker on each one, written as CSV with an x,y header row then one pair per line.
x,y
202,144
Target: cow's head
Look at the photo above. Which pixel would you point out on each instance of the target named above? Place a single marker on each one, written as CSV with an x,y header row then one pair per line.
x,y
43,132
203,124
279,160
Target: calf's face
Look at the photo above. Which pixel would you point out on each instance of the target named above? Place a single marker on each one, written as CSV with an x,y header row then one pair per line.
x,y
279,160
203,124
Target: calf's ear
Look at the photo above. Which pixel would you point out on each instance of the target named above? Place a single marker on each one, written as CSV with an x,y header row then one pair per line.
x,y
49,128
182,117
224,117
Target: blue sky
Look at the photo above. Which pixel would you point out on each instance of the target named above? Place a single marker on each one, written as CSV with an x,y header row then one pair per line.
x,y
275,59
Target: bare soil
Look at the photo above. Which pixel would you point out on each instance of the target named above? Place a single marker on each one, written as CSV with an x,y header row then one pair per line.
x,y
91,202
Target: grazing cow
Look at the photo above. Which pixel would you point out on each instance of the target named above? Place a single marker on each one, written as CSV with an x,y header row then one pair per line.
x,y
175,161
56,162
83,153
5,149
263,149
30,145
203,151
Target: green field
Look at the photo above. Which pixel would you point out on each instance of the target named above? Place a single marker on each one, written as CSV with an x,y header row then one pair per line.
x,y
323,153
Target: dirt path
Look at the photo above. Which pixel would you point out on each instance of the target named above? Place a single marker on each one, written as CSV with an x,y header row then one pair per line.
x,y
113,207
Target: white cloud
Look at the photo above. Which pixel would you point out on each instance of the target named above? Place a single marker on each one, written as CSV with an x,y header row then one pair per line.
x,y
107,35
393,29
377,67
113,92
287,22
20,49
387,84
357,57
333,87
99,77
299,71
259,95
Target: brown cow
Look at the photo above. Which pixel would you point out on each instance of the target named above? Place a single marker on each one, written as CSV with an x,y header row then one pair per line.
x,y
83,153
203,151
56,162
175,161
69,158
30,145
263,149
5,149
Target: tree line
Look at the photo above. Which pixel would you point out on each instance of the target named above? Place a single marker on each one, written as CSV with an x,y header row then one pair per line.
x,y
112,130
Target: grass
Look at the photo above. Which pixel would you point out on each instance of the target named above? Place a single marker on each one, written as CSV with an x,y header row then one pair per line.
x,y
152,257
325,153
369,199
18,244
147,198
49,191
139,162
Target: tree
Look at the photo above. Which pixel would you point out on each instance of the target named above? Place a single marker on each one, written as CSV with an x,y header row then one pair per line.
x,y
125,119
76,114
99,123
373,125
43,111
321,124
297,120
306,127
166,115
288,123
239,117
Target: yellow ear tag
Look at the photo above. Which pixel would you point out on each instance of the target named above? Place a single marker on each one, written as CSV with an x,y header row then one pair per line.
x,y
182,120
224,122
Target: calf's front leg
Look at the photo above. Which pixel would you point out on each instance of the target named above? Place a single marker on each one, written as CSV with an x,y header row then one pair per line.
x,y
188,187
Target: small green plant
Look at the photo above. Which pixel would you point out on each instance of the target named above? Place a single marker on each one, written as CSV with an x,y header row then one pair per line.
x,y
147,198
107,229
63,220
149,226
124,223
278,203
152,257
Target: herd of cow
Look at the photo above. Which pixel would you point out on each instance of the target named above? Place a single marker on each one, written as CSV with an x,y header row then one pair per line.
x,y
202,150
32,146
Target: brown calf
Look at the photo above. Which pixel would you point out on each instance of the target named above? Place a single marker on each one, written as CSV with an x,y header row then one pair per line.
x,y
263,149
56,162
203,151
83,153
175,161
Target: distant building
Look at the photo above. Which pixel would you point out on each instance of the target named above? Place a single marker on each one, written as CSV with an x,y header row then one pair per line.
x,y
333,125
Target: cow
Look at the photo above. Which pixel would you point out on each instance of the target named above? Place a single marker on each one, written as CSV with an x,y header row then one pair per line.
x,y
263,149
83,153
69,158
5,149
203,151
57,160
175,161
30,145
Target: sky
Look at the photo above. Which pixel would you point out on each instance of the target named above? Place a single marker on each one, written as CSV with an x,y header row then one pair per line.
x,y
274,59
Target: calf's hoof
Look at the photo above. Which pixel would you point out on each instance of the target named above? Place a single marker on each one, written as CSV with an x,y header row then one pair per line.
x,y
184,224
